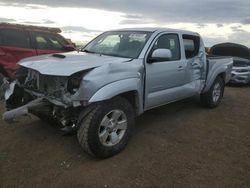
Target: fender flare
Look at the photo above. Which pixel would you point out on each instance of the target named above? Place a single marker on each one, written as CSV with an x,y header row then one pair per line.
x,y
119,87
212,79
116,88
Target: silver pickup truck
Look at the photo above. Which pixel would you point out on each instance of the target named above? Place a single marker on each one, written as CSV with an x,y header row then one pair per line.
x,y
100,89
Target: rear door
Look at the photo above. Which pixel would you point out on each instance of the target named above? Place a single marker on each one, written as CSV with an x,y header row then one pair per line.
x,y
15,45
195,61
48,43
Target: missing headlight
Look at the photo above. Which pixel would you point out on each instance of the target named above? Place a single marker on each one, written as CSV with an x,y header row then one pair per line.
x,y
74,83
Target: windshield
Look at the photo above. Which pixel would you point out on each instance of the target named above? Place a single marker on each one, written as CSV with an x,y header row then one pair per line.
x,y
127,44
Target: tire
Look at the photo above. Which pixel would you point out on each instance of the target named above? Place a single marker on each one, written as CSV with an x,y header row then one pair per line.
x,y
105,130
212,98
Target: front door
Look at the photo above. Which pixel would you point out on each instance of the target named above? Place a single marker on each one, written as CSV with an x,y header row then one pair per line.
x,y
163,79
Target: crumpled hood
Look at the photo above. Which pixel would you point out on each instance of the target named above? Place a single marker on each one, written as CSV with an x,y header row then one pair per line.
x,y
66,64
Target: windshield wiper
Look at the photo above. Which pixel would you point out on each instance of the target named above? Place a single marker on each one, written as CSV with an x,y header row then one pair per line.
x,y
87,51
116,55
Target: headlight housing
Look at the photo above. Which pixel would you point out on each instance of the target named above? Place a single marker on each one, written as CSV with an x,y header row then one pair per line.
x,y
74,83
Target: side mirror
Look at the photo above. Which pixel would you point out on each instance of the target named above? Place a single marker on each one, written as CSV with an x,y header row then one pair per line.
x,y
160,55
68,48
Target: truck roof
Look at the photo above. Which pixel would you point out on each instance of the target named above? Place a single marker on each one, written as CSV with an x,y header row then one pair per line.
x,y
158,29
30,27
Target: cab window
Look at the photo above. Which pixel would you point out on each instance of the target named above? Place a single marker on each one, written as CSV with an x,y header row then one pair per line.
x,y
171,42
191,45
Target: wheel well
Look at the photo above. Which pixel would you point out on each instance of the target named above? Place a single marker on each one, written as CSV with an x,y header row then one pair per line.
x,y
223,76
133,99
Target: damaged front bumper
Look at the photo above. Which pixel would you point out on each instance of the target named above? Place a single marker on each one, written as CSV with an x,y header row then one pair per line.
x,y
240,75
32,102
13,115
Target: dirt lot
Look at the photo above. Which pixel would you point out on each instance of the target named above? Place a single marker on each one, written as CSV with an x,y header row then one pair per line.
x,y
179,145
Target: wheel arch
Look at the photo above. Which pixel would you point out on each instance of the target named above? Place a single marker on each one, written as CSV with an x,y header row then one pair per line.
x,y
223,76
130,89
210,82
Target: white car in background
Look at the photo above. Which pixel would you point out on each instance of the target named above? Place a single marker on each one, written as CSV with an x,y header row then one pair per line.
x,y
241,58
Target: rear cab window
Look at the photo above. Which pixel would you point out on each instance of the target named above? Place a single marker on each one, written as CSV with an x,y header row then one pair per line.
x,y
14,38
191,45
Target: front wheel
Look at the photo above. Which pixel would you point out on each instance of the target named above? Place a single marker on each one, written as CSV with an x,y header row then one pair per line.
x,y
213,96
105,131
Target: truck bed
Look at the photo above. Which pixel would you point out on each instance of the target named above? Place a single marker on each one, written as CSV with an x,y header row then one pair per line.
x,y
216,64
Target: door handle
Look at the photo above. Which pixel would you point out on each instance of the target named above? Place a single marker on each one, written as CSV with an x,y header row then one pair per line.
x,y
180,68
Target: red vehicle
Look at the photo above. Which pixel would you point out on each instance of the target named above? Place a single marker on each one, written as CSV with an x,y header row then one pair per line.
x,y
21,41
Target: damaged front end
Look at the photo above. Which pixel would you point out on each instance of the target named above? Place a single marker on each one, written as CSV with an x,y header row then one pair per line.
x,y
59,87
46,96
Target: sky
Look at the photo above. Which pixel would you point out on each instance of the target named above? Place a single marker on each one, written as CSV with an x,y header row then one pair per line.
x,y
81,20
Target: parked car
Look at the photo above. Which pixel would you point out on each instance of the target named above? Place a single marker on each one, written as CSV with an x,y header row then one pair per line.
x,y
241,57
21,41
119,75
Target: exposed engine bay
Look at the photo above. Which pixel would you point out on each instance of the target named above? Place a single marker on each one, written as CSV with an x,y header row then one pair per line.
x,y
50,86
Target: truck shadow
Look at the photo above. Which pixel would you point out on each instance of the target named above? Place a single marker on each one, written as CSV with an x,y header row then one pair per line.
x,y
168,113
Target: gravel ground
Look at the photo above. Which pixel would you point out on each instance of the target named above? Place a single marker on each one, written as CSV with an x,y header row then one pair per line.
x,y
179,145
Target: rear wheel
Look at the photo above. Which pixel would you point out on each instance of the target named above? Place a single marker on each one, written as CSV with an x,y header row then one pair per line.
x,y
213,97
105,131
